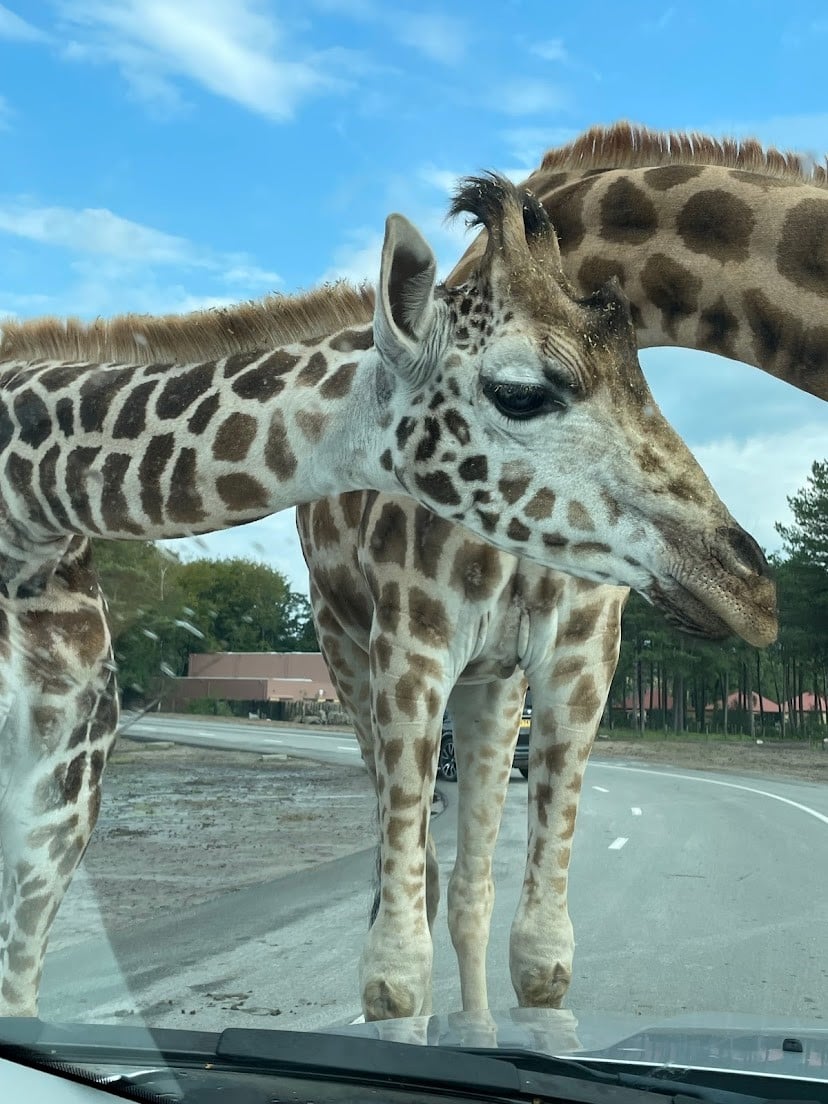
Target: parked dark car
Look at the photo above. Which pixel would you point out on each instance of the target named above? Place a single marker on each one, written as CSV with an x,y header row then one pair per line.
x,y
447,764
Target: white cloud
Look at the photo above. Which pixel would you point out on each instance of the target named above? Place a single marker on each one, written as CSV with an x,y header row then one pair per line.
x,y
440,37
552,49
527,97
233,48
754,476
17,29
5,114
357,259
527,145
94,231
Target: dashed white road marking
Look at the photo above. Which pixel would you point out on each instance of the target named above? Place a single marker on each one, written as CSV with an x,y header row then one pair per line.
x,y
617,844
717,782
636,811
600,789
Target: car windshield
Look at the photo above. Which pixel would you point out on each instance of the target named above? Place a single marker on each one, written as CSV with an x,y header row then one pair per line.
x,y
406,617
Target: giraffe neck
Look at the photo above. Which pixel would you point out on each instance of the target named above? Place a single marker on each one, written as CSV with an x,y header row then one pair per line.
x,y
726,260
171,450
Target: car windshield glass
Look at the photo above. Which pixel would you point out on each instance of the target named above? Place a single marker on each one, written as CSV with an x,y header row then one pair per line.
x,y
414,526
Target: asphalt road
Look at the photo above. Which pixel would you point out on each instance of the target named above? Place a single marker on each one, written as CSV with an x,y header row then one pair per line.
x,y
689,892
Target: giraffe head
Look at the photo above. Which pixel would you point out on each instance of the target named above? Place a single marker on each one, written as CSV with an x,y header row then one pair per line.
x,y
519,409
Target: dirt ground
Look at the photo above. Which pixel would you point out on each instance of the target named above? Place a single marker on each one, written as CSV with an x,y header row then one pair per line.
x,y
189,824
768,760
163,833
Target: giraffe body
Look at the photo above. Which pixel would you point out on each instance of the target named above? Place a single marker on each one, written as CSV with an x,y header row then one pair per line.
x,y
719,248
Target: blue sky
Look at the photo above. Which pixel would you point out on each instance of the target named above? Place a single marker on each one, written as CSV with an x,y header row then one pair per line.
x,y
164,155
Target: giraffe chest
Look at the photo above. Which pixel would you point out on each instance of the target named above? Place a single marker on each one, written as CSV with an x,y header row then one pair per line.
x,y
501,643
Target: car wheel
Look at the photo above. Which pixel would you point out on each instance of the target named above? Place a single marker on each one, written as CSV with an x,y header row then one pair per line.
x,y
447,764
524,771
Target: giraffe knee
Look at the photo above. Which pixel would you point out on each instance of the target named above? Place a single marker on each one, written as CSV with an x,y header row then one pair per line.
x,y
542,984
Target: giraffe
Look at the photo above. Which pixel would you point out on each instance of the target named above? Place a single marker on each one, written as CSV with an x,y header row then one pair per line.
x,y
150,428
720,247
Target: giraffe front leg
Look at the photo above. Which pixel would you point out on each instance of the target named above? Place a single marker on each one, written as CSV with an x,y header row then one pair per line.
x,y
408,697
47,815
569,691
486,719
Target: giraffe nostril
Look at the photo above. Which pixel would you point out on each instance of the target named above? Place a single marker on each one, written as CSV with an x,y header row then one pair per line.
x,y
745,549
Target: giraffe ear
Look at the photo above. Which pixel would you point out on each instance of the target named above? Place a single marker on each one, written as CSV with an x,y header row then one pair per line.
x,y
405,299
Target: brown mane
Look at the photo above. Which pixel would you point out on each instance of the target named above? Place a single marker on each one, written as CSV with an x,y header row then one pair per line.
x,y
629,146
201,335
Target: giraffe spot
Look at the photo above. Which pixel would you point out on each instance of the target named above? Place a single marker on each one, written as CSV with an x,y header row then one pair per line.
x,y
782,344
554,757
427,445
683,490
70,778
566,211
427,618
595,271
513,490
591,548
717,224
761,180
97,393
64,416
324,528
546,593
802,252
53,379
517,531
718,328
540,505
568,668
203,413
404,430
474,469
437,400
279,456
390,751
383,650
476,570
457,426
313,371
339,384
580,626
389,538
628,214
184,503
648,460
665,177
431,534
348,341
672,289
20,473
153,464
579,518
351,504
424,752
387,608
584,703
260,384
312,424
241,493
132,417
613,507
555,541
183,389
234,437
438,487
280,361
237,362
47,475
33,417
114,506
543,799
78,465
488,520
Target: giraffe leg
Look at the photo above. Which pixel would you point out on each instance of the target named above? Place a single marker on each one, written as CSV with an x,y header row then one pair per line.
x,y
408,696
569,690
60,686
486,719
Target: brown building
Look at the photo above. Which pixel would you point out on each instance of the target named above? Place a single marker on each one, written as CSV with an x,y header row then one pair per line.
x,y
265,680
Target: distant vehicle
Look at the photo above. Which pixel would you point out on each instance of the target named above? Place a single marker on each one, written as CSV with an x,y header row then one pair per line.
x,y
447,764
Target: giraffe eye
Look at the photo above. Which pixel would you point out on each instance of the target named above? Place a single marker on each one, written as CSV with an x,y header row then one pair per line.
x,y
522,401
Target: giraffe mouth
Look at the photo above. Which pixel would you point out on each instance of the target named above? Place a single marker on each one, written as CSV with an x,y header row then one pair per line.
x,y
684,611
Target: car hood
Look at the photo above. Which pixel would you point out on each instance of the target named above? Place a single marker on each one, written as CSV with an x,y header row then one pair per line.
x,y
720,1041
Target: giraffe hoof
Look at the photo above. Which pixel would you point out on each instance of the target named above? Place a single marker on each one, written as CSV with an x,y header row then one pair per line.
x,y
543,986
382,1000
